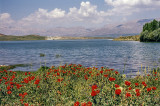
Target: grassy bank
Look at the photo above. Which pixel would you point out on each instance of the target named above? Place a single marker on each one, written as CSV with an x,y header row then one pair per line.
x,y
75,85
128,38
19,38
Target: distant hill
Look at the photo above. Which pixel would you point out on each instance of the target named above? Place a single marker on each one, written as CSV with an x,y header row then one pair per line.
x,y
116,30
18,38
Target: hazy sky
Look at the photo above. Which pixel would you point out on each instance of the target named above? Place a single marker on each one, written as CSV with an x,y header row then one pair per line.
x,y
25,15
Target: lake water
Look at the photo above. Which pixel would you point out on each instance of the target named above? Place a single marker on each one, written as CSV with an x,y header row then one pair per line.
x,y
120,55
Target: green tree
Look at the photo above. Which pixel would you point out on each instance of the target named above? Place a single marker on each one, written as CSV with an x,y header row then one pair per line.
x,y
143,36
154,25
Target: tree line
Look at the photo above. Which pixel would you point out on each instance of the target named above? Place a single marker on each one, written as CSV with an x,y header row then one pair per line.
x,y
151,32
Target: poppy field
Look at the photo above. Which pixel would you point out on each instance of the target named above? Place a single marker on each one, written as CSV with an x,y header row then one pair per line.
x,y
76,85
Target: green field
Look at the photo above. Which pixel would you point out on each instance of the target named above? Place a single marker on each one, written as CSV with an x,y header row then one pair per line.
x,y
19,38
128,38
75,85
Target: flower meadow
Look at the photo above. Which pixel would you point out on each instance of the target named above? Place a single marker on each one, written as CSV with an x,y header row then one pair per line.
x,y
76,85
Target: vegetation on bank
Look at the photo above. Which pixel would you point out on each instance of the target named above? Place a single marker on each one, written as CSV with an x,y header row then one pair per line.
x,y
151,32
21,38
128,38
75,85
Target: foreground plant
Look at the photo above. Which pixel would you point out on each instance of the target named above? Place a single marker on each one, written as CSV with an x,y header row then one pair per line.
x,y
75,85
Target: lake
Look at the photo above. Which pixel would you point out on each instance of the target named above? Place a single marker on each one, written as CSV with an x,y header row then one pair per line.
x,y
120,55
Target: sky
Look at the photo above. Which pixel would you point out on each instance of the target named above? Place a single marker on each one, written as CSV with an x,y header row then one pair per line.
x,y
23,16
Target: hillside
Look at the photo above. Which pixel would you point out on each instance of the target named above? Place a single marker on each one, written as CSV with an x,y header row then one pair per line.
x,y
128,38
18,38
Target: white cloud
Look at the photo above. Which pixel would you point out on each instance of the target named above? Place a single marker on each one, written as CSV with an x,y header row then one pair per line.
x,y
128,7
87,15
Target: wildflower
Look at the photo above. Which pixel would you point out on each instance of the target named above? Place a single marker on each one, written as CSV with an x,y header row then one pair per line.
x,y
116,72
8,88
116,85
149,89
76,103
86,77
106,75
89,103
130,88
94,87
101,72
60,79
59,92
25,73
83,104
138,94
128,95
36,81
137,90
117,91
124,75
127,83
9,92
58,73
5,78
143,83
93,93
26,104
112,79
154,88
136,84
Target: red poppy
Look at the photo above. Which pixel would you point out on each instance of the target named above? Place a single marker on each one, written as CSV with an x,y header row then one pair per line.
x,y
83,104
101,72
136,84
89,103
36,81
137,90
128,95
9,92
154,88
143,83
90,72
116,72
25,73
106,75
137,94
76,103
130,88
94,87
149,89
93,93
127,83
58,73
26,104
117,91
116,85
112,79
5,78
25,93
86,77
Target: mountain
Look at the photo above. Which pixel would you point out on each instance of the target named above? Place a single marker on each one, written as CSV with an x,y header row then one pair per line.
x,y
109,30
128,28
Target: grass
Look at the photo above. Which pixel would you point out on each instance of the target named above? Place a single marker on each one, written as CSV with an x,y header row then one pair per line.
x,y
128,38
19,38
75,85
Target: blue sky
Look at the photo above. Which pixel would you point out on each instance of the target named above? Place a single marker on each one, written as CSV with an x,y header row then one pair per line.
x,y
16,15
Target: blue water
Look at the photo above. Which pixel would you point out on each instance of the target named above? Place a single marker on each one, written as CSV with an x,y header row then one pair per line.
x,y
120,55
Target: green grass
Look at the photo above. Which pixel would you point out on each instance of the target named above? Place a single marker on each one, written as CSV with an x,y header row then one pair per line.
x,y
128,38
72,84
19,38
